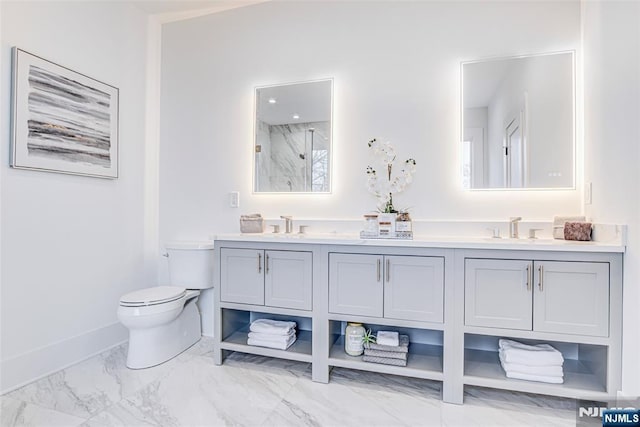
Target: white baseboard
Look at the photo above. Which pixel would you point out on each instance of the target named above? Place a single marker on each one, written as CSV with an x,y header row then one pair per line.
x,y
33,365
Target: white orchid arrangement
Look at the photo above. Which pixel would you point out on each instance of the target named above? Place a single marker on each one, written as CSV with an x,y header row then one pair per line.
x,y
386,184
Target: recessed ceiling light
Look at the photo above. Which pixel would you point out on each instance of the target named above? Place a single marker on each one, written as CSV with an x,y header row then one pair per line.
x,y
296,116
272,100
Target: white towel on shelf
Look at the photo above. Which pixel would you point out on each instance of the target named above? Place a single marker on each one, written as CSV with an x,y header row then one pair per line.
x,y
505,343
532,355
275,327
388,338
276,339
270,344
550,370
539,378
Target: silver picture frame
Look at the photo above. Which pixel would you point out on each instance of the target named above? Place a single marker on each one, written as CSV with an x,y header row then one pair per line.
x,y
62,121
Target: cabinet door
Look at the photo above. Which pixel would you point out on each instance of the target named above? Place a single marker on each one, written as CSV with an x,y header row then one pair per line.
x,y
497,293
241,276
571,298
355,284
414,288
287,279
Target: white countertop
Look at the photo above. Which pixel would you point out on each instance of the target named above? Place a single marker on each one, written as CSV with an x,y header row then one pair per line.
x,y
431,242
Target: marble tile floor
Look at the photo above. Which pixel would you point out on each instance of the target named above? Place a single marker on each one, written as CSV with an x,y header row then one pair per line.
x,y
257,391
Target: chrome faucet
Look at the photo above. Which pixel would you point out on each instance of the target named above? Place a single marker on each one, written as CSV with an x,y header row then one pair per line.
x,y
288,224
513,227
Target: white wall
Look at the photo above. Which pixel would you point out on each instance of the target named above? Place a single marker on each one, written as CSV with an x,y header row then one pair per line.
x,y
397,75
611,32
71,246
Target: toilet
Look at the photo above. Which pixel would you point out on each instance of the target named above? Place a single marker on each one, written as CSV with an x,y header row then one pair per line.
x,y
164,321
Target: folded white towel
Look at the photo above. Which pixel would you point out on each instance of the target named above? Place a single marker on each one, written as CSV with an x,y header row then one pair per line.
x,y
538,358
551,370
276,327
388,338
532,355
271,344
276,339
539,378
505,343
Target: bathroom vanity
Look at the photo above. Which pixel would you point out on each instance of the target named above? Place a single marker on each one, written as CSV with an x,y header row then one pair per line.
x,y
454,297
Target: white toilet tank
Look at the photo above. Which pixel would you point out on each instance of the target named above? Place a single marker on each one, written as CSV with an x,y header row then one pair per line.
x,y
190,264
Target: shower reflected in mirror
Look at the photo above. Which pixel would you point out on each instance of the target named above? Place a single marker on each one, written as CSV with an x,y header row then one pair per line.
x,y
293,138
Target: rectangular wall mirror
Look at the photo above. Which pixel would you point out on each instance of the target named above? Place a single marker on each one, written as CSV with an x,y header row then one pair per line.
x,y
292,152
518,122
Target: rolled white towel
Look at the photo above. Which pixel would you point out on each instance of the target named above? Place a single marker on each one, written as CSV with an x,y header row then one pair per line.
x,y
271,344
532,355
551,370
276,339
539,378
275,327
388,338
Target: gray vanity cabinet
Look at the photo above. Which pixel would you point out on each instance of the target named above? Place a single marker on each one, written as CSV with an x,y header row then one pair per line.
x,y
565,294
394,287
543,296
266,277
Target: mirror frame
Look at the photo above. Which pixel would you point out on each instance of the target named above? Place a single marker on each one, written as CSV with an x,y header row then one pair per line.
x,y
254,138
574,125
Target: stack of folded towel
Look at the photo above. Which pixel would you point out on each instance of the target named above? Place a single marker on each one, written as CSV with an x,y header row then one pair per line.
x,y
272,333
531,362
390,348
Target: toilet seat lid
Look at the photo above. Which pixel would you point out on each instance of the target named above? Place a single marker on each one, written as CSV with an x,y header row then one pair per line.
x,y
152,296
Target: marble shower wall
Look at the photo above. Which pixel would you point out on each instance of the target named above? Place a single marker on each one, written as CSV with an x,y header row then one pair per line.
x,y
284,163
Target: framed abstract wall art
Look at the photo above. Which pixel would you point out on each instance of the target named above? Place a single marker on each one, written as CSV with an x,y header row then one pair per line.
x,y
63,121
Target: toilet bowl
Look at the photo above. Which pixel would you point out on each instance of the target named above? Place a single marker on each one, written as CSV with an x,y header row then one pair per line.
x,y
163,321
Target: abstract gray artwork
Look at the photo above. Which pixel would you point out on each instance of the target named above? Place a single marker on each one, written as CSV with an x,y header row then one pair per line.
x,y
63,121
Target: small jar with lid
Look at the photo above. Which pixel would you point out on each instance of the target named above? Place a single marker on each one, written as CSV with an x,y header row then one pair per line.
x,y
353,339
371,225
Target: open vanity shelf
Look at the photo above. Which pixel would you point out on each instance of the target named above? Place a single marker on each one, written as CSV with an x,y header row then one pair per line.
x,y
454,302
424,358
583,373
236,329
424,361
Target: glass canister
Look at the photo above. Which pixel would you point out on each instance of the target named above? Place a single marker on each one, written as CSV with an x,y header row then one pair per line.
x,y
371,225
353,335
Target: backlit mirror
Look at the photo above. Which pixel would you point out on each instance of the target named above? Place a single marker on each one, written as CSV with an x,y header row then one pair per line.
x,y
518,122
293,138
